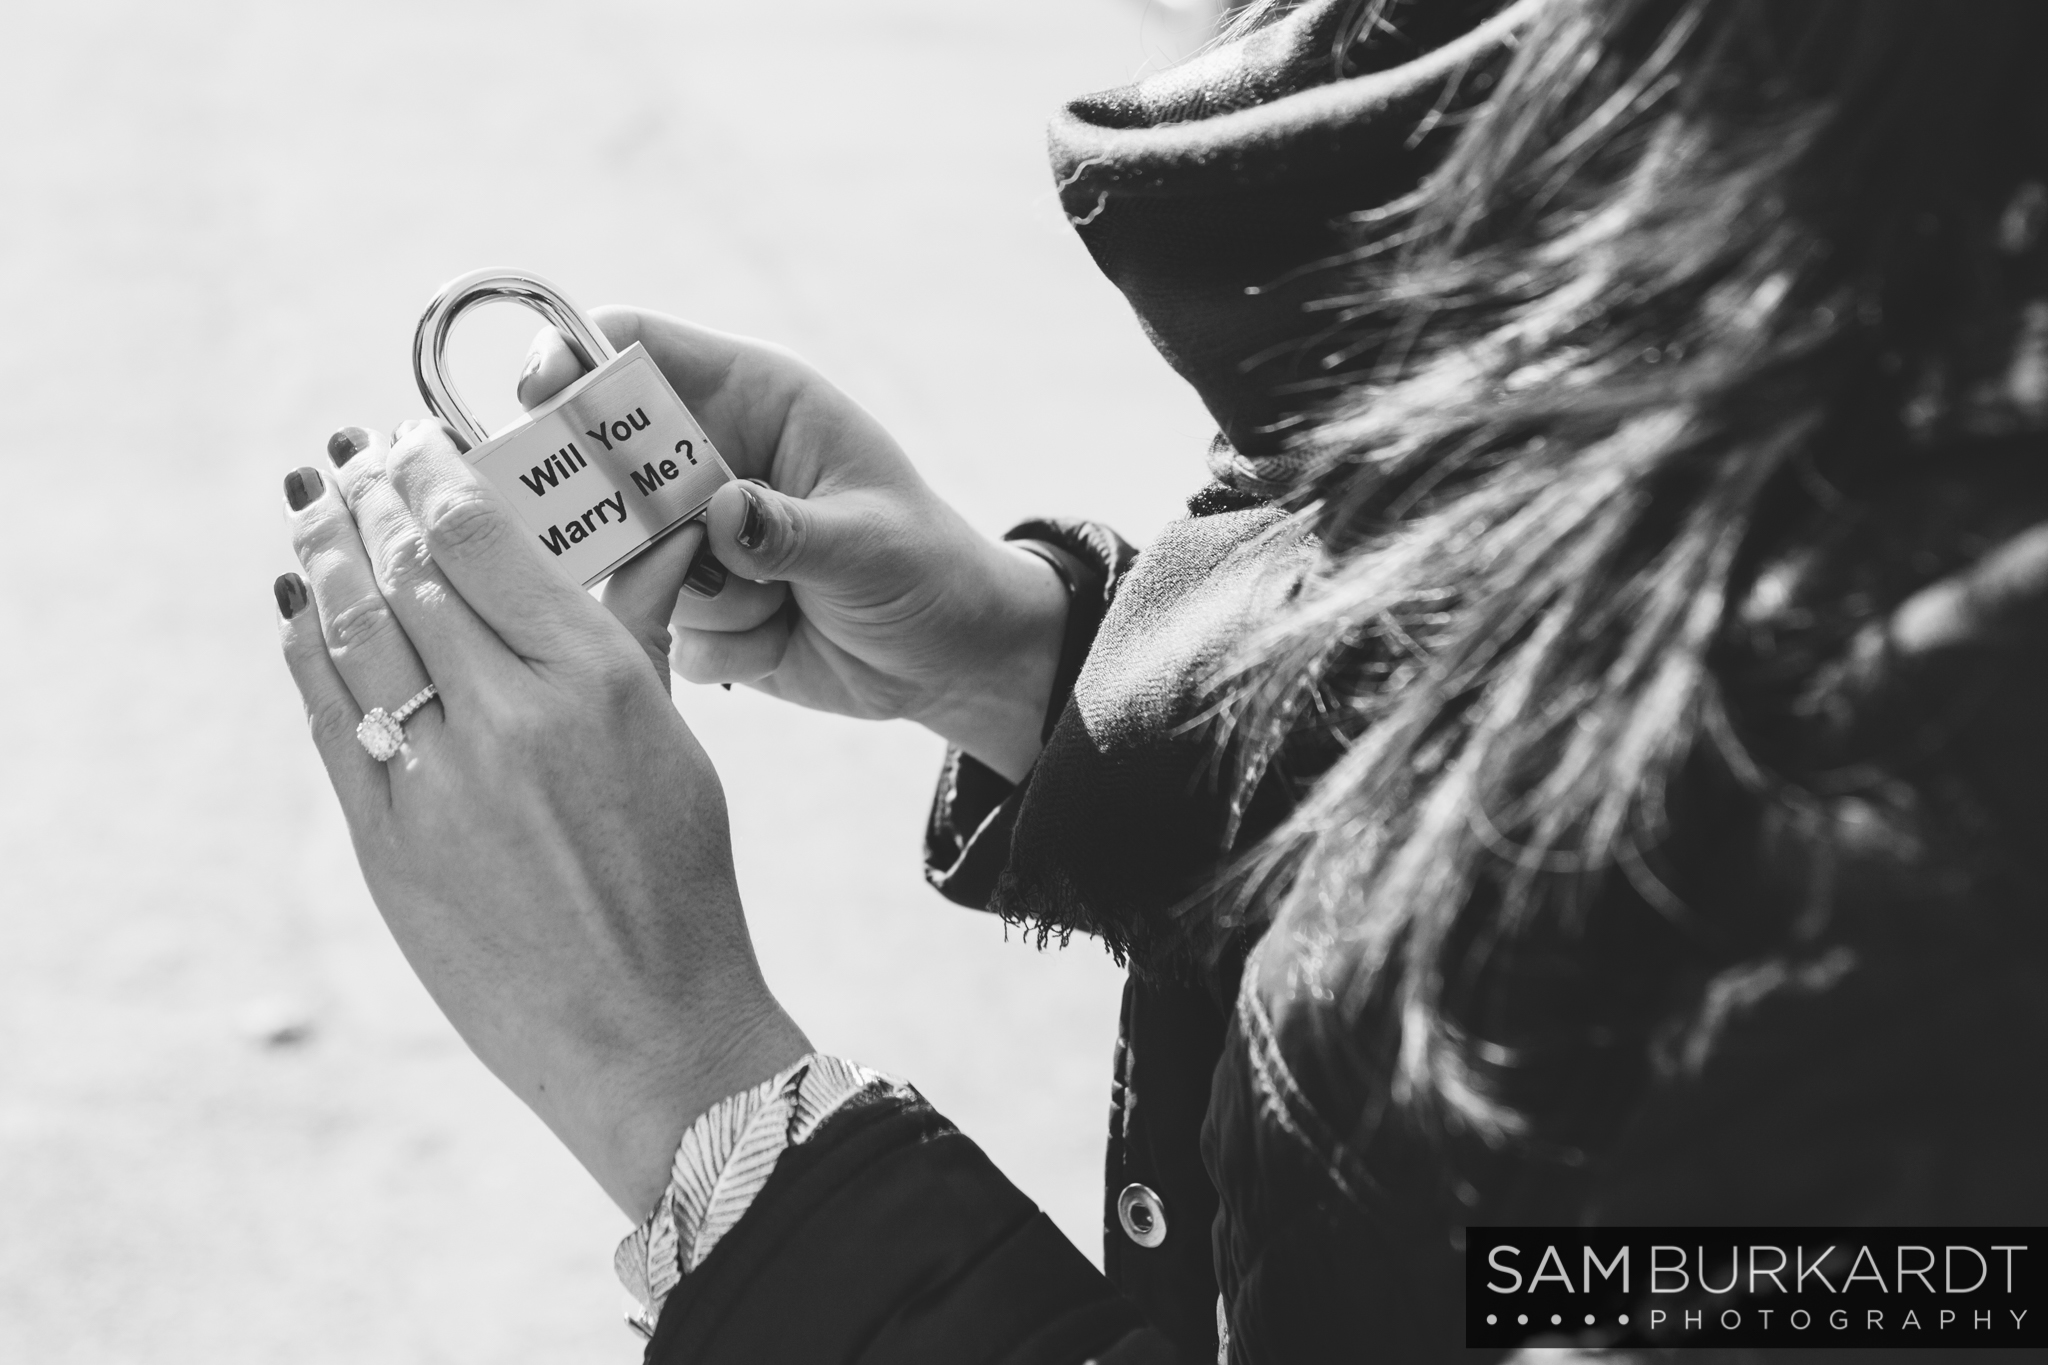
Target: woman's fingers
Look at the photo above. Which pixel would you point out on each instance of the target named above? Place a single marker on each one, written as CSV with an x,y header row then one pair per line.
x,y
331,712
714,597
457,648
642,595
719,656
486,551
369,649
681,583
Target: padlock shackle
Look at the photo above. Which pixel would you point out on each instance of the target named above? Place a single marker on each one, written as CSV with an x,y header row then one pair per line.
x,y
463,293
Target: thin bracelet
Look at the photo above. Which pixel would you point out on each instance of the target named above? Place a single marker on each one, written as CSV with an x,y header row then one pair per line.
x,y
1078,632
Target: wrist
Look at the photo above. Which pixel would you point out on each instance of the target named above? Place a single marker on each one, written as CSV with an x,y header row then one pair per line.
x,y
627,1108
998,714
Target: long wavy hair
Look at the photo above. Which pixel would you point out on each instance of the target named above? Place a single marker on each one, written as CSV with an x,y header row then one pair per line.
x,y
1689,290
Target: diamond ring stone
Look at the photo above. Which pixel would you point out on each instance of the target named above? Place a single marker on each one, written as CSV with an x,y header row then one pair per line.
x,y
382,733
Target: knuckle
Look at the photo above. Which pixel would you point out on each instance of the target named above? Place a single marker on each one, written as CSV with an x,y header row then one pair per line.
x,y
358,489
408,463
404,562
464,523
332,724
365,621
322,528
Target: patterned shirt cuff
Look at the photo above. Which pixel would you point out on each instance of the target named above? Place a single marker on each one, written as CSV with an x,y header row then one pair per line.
x,y
723,1162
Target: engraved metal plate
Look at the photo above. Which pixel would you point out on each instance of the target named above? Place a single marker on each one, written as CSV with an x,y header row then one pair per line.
x,y
606,467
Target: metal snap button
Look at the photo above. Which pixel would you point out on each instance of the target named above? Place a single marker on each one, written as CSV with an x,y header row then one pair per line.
x,y
1142,1214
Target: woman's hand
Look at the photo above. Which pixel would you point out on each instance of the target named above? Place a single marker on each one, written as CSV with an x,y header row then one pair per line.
x,y
893,605
550,847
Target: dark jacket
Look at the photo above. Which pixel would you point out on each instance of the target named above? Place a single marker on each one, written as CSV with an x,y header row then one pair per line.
x,y
1268,1199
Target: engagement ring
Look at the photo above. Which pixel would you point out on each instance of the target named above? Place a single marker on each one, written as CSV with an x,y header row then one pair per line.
x,y
382,732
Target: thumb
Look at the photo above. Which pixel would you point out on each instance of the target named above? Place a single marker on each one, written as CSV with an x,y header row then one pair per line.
x,y
550,367
769,536
642,595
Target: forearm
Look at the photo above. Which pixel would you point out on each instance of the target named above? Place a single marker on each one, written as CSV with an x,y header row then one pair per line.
x,y
622,1115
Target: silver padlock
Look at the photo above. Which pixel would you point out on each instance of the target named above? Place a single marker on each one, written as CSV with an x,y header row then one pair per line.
x,y
602,470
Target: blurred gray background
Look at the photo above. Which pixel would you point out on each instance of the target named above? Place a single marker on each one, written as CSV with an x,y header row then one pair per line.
x,y
232,1127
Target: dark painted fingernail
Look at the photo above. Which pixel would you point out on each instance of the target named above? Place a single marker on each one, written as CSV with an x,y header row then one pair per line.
x,y
706,577
752,526
346,444
291,594
301,486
